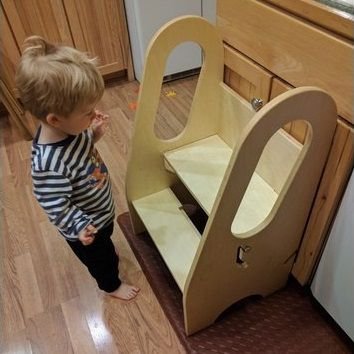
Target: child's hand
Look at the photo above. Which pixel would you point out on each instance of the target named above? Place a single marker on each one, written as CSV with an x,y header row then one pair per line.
x,y
99,125
87,235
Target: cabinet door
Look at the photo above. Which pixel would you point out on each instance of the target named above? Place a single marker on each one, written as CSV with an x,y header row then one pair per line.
x,y
292,49
335,177
244,76
251,81
10,54
297,129
99,28
20,19
43,18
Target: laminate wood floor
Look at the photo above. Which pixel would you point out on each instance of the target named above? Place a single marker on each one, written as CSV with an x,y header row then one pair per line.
x,y
48,301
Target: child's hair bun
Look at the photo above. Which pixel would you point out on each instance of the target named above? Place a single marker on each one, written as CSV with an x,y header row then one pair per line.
x,y
37,46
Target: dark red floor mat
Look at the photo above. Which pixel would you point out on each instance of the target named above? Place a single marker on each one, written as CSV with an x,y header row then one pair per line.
x,y
289,321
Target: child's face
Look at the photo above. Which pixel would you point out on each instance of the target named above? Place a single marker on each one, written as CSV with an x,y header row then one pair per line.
x,y
79,120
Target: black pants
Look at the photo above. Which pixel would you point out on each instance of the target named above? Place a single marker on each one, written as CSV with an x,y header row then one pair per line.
x,y
100,258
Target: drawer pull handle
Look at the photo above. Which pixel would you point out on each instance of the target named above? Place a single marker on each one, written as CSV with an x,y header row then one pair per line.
x,y
257,104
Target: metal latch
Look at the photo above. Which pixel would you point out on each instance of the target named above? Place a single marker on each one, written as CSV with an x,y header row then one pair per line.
x,y
240,254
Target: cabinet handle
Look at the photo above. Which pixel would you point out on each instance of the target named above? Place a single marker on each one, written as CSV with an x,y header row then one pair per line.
x,y
256,103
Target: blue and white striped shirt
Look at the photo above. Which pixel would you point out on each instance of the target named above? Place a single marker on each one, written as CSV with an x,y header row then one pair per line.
x,y
71,183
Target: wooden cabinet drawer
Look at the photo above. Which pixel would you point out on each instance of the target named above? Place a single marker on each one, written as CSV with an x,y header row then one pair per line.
x,y
292,49
250,80
245,77
320,14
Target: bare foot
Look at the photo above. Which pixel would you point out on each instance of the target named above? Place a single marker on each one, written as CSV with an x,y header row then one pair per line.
x,y
125,292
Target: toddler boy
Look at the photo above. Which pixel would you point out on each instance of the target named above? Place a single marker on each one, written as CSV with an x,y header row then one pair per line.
x,y
61,86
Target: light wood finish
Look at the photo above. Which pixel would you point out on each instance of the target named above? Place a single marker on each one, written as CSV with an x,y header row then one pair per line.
x,y
204,105
297,129
278,159
15,111
214,281
20,19
47,19
99,27
178,245
10,54
48,301
279,87
245,77
341,160
292,49
274,242
300,52
325,16
202,166
252,81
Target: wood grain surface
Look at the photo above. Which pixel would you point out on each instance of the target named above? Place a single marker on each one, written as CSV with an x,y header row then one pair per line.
x,y
48,301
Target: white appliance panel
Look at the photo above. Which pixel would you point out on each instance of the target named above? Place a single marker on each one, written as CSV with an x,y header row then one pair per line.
x,y
146,17
333,284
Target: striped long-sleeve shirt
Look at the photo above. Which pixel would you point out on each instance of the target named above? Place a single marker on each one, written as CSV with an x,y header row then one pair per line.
x,y
71,183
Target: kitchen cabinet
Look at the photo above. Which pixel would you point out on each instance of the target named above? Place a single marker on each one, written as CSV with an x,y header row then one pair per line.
x,y
99,27
296,48
93,26
96,27
26,18
247,78
10,53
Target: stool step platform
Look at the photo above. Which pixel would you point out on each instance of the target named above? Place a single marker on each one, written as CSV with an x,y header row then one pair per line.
x,y
172,231
201,166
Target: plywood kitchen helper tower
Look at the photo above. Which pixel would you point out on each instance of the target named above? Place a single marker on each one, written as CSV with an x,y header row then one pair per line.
x,y
253,180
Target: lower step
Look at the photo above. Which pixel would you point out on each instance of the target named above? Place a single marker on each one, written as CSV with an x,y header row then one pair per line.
x,y
173,233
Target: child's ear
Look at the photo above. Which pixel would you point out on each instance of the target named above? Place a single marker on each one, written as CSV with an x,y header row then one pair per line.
x,y
53,120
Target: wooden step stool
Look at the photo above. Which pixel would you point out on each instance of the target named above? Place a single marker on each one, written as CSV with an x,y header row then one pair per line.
x,y
255,182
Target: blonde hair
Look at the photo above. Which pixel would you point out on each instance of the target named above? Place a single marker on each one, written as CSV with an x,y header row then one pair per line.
x,y
56,79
